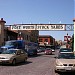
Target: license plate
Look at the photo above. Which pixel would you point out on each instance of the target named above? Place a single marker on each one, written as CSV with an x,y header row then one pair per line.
x,y
68,68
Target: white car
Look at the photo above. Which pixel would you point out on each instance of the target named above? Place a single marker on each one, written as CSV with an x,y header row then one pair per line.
x,y
65,62
13,56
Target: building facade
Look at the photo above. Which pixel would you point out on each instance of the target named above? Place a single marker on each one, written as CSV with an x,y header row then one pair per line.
x,y
7,34
46,40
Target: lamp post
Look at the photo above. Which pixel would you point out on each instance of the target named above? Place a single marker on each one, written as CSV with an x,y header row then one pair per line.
x,y
67,41
67,38
74,34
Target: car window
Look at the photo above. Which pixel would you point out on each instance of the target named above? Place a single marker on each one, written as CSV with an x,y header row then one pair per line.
x,y
9,52
48,48
65,50
66,56
18,52
10,43
22,52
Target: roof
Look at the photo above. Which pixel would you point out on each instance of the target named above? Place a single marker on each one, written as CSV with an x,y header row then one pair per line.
x,y
14,49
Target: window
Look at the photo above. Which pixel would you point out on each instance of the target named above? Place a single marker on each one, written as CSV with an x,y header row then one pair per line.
x,y
46,40
22,52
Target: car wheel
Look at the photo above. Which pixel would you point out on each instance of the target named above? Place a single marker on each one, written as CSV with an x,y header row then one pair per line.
x,y
25,59
56,71
14,62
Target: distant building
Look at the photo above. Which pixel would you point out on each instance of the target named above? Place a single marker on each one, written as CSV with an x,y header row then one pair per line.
x,y
46,40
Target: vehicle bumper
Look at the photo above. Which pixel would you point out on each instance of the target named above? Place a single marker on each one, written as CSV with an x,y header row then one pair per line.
x,y
5,61
48,53
65,69
53,50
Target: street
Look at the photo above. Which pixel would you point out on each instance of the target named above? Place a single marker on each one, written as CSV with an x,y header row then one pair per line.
x,y
35,65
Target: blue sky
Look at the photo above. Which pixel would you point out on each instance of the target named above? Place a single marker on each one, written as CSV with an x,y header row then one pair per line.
x,y
39,11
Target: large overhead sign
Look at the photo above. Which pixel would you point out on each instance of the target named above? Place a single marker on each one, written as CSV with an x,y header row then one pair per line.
x,y
38,27
41,27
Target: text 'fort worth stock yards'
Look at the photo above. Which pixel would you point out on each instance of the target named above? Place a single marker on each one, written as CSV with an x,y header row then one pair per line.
x,y
42,27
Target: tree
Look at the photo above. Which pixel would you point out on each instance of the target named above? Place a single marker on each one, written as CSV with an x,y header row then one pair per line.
x,y
73,42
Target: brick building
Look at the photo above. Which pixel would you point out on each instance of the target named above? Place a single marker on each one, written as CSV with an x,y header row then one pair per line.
x,y
7,34
46,40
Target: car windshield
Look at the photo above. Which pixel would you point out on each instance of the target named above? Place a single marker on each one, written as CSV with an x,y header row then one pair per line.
x,y
48,48
29,44
9,52
9,43
65,50
66,56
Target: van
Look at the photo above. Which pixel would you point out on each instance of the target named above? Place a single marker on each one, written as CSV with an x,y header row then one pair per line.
x,y
16,44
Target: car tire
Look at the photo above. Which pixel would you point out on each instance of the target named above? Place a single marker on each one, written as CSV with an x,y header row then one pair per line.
x,y
14,62
56,71
25,59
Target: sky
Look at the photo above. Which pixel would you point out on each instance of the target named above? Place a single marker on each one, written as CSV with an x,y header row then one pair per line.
x,y
39,12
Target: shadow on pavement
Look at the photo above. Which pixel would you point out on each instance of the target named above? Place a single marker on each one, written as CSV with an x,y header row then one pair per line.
x,y
33,56
18,64
67,73
23,63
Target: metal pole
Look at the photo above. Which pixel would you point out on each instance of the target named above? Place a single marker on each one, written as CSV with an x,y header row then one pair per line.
x,y
67,41
67,38
74,34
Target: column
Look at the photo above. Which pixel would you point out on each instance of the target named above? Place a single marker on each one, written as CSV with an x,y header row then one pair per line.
x,y
2,23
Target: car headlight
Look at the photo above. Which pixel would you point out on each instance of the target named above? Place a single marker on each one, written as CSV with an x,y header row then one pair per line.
x,y
59,64
2,58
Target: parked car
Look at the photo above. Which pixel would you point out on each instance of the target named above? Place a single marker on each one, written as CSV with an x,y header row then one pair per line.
x,y
65,62
39,50
13,56
42,49
65,50
32,52
48,51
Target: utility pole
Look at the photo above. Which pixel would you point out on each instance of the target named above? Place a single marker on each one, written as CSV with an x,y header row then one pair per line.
x,y
74,34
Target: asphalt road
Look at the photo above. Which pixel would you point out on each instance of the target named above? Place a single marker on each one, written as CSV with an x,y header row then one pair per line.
x,y
37,65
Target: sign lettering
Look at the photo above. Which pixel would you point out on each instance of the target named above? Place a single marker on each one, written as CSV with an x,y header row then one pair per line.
x,y
56,27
